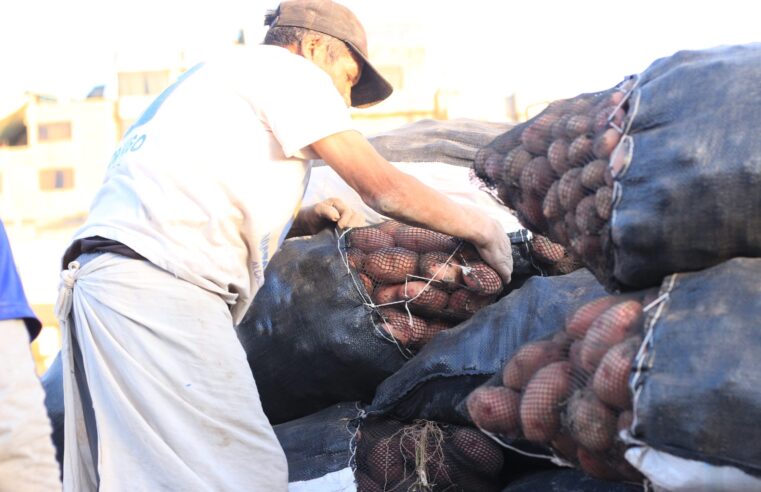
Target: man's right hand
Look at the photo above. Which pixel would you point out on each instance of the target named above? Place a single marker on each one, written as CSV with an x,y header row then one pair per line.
x,y
496,251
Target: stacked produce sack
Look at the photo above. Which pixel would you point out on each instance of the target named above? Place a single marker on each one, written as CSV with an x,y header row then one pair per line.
x,y
571,391
348,310
662,380
432,384
421,281
654,176
339,448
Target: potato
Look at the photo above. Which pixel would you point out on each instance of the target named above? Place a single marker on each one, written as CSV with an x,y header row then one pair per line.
x,y
590,422
625,420
587,219
355,257
611,379
402,326
595,465
613,326
537,136
564,446
420,293
391,265
570,189
528,360
482,278
494,167
551,207
580,151
369,239
604,202
481,453
439,266
619,159
558,232
365,483
557,130
593,174
515,161
538,176
386,294
389,227
579,322
542,400
422,240
368,283
467,302
587,246
578,124
557,154
495,409
530,213
545,250
385,464
437,325
605,142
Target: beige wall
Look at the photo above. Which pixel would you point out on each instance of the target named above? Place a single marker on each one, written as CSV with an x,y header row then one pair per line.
x,y
92,139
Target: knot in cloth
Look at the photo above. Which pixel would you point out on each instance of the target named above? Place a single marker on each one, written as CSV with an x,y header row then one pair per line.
x,y
65,291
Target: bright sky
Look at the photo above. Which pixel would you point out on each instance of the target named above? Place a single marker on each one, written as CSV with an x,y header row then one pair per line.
x,y
542,49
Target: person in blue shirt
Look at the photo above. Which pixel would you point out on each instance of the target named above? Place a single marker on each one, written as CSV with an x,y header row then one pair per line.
x,y
27,456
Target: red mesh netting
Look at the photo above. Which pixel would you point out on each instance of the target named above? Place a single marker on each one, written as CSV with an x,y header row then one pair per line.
x,y
555,170
419,280
392,456
570,392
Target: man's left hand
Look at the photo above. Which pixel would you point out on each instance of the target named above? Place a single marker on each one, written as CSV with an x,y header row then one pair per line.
x,y
332,211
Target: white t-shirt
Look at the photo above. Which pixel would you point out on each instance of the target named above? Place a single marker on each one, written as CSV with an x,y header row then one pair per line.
x,y
208,181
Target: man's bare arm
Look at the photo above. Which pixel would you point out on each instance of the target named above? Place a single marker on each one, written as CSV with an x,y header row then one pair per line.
x,y
395,194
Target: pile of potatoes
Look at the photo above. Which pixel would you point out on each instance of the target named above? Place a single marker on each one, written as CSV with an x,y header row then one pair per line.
x,y
425,455
571,392
420,281
557,169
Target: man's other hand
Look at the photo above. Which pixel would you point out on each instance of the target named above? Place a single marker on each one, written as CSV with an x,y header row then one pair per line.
x,y
326,213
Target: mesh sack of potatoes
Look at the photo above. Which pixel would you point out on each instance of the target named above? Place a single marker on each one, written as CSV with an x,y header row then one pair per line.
x,y
425,455
654,176
569,391
420,281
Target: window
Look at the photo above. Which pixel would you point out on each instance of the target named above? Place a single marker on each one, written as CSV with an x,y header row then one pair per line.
x,y
54,131
143,83
56,179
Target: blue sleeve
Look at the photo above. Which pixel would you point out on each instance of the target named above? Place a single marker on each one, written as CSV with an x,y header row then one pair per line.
x,y
13,303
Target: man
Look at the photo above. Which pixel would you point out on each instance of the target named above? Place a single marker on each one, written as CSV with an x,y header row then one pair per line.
x,y
202,191
27,458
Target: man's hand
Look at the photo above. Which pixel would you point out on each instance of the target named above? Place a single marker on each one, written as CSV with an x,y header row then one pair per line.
x,y
496,250
332,211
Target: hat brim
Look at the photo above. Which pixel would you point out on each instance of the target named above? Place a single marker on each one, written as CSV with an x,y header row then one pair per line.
x,y
372,88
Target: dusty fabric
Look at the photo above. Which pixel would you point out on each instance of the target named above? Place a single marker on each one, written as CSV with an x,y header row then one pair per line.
x,y
27,458
158,394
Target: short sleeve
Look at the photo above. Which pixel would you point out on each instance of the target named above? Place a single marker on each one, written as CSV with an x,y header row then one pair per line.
x,y
298,101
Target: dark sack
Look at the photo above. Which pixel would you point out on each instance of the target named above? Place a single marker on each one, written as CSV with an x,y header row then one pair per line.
x,y
453,142
310,335
339,448
655,176
566,480
697,379
320,443
52,383
437,380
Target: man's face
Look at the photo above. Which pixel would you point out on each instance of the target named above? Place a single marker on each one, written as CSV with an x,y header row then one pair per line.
x,y
344,69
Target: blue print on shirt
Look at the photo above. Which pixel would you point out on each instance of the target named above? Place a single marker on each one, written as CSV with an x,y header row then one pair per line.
x,y
133,142
149,113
